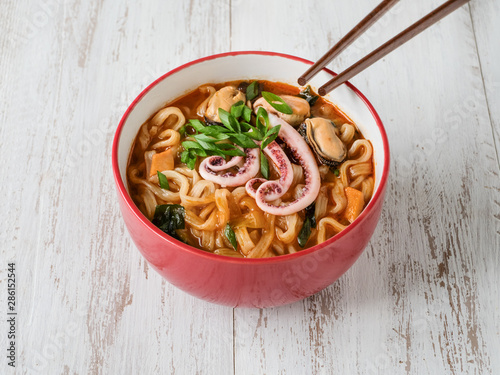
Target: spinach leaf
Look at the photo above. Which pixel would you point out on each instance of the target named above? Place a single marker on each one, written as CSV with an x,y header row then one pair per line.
x,y
305,232
169,218
310,214
309,222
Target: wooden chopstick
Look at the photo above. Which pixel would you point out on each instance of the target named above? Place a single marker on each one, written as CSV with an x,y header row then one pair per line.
x,y
346,41
400,39
392,44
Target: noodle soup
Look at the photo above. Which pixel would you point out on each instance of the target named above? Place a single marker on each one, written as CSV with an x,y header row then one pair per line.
x,y
251,169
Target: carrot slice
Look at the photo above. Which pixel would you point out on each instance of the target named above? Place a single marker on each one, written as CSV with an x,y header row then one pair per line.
x,y
355,203
162,161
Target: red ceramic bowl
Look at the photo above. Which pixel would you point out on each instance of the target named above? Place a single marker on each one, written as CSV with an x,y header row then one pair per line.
x,y
248,282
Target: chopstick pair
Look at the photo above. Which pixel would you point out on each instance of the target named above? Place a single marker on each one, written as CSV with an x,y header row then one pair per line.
x,y
386,48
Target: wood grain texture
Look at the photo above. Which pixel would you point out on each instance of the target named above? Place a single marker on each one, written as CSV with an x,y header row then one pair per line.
x,y
88,302
424,298
414,303
487,34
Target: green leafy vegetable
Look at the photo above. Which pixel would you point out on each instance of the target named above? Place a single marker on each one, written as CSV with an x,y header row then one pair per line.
x,y
169,218
305,232
182,130
189,158
237,109
229,149
277,103
229,233
197,125
252,90
336,172
199,152
214,130
255,133
190,145
229,121
232,152
310,210
310,221
162,179
213,139
264,166
262,120
208,146
270,136
184,156
247,114
191,161
243,140
245,126
308,95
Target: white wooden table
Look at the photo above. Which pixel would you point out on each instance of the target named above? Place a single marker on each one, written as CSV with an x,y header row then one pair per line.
x,y
423,298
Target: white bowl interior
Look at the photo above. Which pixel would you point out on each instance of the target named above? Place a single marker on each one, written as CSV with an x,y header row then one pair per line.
x,y
242,67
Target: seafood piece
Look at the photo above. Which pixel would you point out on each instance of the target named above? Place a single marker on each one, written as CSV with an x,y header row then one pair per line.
x,y
300,107
301,151
322,135
211,167
223,98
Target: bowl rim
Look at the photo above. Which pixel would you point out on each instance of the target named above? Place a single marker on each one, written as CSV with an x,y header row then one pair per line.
x,y
245,261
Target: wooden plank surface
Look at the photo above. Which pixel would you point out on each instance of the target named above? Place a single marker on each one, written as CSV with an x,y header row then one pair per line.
x,y
412,303
88,302
424,298
487,34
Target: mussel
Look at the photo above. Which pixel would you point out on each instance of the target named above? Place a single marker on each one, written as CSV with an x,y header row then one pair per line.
x,y
300,107
223,98
322,135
